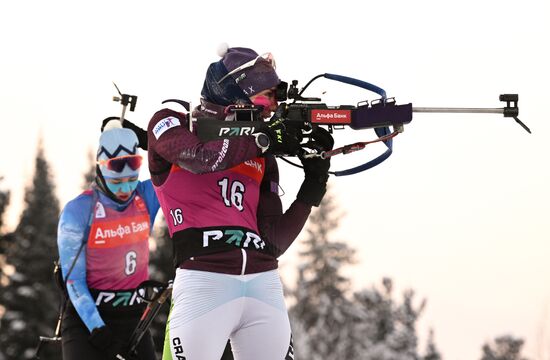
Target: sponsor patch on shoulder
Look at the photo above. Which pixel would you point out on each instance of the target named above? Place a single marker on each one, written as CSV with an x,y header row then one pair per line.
x,y
99,211
164,125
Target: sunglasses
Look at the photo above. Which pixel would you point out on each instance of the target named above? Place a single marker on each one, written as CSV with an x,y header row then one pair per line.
x,y
117,164
266,56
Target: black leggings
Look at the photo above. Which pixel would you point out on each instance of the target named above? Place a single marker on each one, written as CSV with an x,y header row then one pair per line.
x,y
74,335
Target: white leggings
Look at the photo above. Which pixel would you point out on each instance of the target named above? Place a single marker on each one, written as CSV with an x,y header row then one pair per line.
x,y
209,308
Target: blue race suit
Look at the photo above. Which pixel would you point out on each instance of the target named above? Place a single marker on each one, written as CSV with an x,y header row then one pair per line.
x,y
92,308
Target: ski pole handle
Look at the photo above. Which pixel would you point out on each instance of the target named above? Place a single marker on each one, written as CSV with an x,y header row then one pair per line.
x,y
41,341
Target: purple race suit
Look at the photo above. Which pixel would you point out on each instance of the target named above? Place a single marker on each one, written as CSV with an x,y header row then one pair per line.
x,y
219,197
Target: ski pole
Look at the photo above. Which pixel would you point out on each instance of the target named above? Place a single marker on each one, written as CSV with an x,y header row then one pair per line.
x,y
147,318
42,340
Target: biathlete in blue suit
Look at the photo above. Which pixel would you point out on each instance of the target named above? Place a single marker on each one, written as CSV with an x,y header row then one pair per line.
x,y
103,240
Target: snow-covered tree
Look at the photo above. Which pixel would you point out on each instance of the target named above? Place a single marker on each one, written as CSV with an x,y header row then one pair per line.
x,y
29,295
432,353
384,328
330,322
320,314
4,239
4,201
89,175
506,347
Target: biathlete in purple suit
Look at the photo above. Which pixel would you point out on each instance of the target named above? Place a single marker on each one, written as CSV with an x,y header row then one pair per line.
x,y
220,198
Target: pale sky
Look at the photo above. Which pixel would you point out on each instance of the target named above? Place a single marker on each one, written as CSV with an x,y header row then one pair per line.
x,y
457,213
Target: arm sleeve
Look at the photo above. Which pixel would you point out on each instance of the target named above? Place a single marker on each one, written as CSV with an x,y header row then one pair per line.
x,y
145,188
279,228
170,140
71,230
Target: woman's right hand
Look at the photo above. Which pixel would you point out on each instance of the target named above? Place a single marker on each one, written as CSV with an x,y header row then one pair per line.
x,y
103,339
283,139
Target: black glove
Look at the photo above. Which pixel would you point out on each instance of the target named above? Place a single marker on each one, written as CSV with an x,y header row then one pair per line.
x,y
103,339
322,140
140,133
283,140
316,170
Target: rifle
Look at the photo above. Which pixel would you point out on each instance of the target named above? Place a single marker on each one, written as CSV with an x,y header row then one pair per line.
x,y
303,114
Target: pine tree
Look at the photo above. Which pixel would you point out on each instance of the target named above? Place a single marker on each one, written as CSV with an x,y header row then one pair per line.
x,y
384,329
4,240
320,314
328,322
432,353
89,175
505,347
4,201
30,297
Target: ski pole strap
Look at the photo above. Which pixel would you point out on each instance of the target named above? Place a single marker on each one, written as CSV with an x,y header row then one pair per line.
x,y
150,290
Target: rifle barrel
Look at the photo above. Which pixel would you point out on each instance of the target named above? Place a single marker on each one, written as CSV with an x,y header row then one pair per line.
x,y
458,110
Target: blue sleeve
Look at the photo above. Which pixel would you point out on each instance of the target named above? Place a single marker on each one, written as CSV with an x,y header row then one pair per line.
x,y
147,192
71,230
